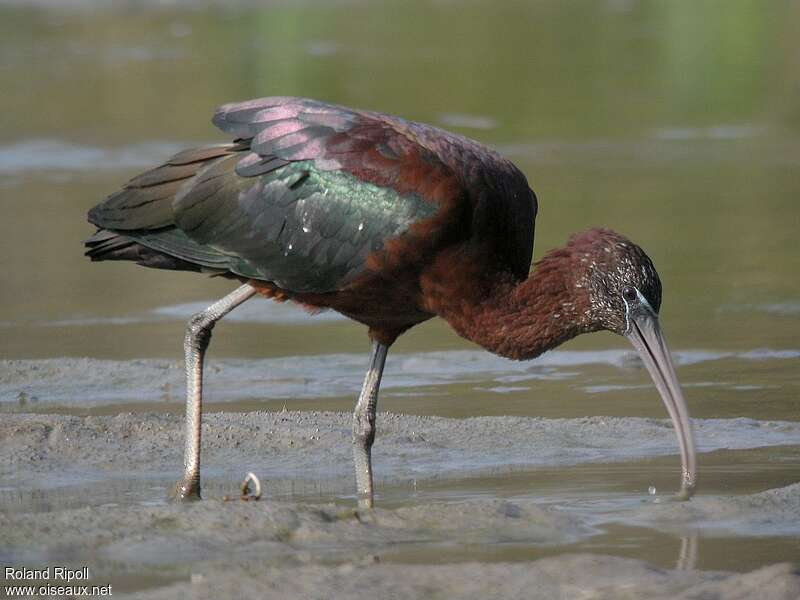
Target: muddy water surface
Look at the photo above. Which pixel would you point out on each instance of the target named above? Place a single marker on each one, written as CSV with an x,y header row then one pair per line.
x,y
664,121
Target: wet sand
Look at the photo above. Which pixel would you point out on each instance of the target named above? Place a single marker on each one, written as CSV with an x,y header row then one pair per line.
x,y
314,445
566,576
483,507
287,545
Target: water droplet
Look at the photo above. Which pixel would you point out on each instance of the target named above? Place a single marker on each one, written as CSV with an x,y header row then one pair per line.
x,y
651,490
290,246
360,226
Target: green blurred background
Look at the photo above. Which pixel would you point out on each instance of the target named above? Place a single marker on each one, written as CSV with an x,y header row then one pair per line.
x,y
675,123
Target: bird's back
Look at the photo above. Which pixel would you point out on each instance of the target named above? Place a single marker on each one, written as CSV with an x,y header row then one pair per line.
x,y
313,198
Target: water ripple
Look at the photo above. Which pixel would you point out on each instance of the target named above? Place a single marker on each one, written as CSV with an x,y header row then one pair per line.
x,y
60,155
91,382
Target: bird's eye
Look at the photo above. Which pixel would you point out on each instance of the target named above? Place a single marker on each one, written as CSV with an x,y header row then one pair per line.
x,y
629,294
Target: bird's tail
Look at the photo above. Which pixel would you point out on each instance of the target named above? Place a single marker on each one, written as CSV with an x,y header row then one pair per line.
x,y
113,245
136,223
109,245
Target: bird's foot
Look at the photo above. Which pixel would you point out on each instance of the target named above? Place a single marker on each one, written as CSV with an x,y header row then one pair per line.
x,y
186,490
365,500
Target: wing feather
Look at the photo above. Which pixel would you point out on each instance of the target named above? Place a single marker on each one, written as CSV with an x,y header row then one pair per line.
x,y
307,194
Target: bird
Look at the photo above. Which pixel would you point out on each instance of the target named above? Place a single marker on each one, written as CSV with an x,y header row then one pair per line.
x,y
389,222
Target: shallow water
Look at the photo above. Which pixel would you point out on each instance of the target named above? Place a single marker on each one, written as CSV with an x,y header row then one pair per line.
x,y
462,383
613,492
666,122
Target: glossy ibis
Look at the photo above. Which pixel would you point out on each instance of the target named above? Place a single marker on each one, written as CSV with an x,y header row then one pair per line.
x,y
390,223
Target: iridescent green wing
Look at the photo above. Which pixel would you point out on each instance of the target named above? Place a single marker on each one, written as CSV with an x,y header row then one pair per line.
x,y
320,189
304,228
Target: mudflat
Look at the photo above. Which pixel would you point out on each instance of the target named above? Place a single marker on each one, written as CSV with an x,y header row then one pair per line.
x,y
92,491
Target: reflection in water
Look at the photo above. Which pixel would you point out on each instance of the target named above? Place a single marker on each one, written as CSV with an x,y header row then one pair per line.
x,y
687,557
408,539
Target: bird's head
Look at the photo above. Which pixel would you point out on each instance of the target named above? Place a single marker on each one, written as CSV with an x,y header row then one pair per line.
x,y
622,294
620,280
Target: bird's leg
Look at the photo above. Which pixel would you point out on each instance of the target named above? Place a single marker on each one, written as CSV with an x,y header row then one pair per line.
x,y
364,425
198,335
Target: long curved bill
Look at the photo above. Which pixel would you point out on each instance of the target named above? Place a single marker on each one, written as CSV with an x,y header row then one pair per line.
x,y
645,335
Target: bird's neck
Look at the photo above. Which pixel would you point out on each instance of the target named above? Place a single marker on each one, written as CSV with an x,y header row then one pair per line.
x,y
521,320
